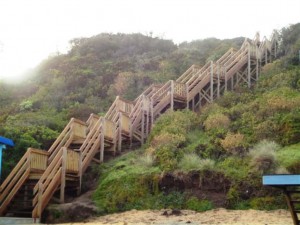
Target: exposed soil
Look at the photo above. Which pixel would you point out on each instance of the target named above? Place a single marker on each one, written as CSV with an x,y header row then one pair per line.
x,y
207,185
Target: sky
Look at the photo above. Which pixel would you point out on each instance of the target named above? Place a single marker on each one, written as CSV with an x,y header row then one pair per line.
x,y
33,30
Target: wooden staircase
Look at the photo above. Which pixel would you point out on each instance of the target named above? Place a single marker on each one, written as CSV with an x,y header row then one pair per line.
x,y
41,176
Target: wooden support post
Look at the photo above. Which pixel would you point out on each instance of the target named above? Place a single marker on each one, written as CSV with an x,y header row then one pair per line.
x,y
120,132
80,172
187,96
225,77
143,120
266,56
218,87
130,134
152,113
147,120
249,67
63,175
172,95
275,49
193,104
257,61
291,206
211,82
102,133
40,200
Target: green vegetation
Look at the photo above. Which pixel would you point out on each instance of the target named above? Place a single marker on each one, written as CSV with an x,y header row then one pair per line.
x,y
229,145
191,161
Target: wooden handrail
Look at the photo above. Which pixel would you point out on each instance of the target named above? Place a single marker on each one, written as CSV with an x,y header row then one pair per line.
x,y
14,171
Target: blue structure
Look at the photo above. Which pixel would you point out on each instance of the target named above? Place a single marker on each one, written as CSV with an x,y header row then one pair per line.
x,y
3,143
281,180
290,185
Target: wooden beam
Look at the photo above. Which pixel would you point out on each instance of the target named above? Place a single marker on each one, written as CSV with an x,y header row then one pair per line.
x,y
142,125
63,175
172,95
102,132
120,133
249,67
211,82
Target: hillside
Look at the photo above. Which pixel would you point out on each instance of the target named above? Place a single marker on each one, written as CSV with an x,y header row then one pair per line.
x,y
199,161
216,158
87,79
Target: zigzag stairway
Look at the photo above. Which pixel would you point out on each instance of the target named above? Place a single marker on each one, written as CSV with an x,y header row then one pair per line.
x,y
41,176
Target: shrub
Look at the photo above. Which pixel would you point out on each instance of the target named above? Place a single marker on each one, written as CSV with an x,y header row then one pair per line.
x,y
192,161
267,203
146,160
289,157
263,158
195,204
234,143
234,167
216,121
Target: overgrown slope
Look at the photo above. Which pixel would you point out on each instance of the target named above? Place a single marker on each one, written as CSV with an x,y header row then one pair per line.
x,y
216,158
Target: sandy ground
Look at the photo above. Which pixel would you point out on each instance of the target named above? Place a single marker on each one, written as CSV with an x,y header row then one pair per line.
x,y
216,216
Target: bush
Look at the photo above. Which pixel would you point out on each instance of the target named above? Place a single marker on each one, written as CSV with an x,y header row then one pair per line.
x,y
267,203
234,143
146,160
289,157
195,204
234,167
216,121
263,157
192,161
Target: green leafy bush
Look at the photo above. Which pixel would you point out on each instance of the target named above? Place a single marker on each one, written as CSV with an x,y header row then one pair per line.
x,y
289,157
263,157
192,162
234,143
195,204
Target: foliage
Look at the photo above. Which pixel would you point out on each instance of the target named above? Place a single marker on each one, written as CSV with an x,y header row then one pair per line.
x,y
267,203
198,205
234,143
192,162
263,157
289,157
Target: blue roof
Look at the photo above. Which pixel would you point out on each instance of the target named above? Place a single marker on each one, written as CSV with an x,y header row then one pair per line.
x,y
6,141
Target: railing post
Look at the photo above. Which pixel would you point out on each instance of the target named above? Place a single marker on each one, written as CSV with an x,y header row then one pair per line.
x,y
40,200
172,95
63,174
102,133
225,77
218,74
80,172
143,120
152,113
120,132
187,95
211,82
249,65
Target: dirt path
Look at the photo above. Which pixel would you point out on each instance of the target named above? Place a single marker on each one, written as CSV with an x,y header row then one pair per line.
x,y
217,216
